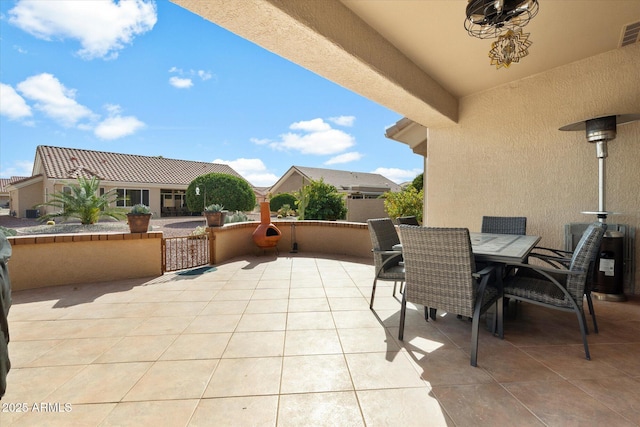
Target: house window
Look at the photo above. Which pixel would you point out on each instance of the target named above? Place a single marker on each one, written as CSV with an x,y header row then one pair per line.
x,y
129,197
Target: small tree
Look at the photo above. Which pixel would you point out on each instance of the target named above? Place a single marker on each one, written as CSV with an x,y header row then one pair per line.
x,y
407,202
234,193
84,203
324,202
418,182
279,200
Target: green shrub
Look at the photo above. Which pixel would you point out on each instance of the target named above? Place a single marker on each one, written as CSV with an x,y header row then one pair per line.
x,y
323,202
237,216
276,202
407,202
140,209
8,231
234,193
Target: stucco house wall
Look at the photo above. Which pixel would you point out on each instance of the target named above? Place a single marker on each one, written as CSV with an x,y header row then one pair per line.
x,y
507,157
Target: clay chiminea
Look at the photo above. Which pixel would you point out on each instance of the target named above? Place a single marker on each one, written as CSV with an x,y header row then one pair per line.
x,y
267,234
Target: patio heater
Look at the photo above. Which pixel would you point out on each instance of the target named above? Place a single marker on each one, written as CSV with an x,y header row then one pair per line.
x,y
600,131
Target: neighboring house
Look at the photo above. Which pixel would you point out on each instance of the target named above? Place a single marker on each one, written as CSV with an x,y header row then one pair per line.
x,y
4,190
362,190
157,182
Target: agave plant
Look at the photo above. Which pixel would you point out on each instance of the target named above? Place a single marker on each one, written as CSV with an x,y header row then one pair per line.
x,y
84,203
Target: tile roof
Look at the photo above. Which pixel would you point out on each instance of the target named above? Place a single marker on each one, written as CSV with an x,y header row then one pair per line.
x,y
4,182
349,181
65,163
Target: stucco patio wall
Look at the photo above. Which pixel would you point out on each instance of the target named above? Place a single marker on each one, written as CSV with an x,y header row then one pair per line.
x,y
66,259
330,237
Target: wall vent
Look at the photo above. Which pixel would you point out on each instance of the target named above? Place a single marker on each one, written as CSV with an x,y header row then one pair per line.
x,y
630,34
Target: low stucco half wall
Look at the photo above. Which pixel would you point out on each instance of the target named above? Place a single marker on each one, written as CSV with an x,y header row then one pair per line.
x,y
66,259
330,237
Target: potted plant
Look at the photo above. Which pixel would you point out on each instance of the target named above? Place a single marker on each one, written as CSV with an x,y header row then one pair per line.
x,y
215,215
138,218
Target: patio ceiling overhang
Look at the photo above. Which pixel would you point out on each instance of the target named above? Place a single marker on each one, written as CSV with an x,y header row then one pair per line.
x,y
329,39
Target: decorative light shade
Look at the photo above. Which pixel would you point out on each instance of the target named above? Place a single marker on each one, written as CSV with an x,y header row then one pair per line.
x,y
491,18
509,48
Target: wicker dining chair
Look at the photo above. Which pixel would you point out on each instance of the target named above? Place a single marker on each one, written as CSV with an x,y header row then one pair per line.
x,y
440,274
504,224
388,263
559,288
559,258
408,220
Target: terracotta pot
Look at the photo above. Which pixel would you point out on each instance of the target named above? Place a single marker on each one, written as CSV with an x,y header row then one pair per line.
x,y
266,235
138,223
215,219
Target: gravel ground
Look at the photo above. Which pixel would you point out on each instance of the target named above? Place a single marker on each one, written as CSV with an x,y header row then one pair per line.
x,y
170,226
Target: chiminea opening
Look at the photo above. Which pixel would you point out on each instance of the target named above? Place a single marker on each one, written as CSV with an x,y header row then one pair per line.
x,y
272,231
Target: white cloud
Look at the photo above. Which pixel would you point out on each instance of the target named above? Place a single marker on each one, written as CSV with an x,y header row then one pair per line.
x,y
398,175
344,158
204,75
315,125
343,120
116,126
19,168
259,141
54,99
315,137
180,82
12,104
253,170
102,27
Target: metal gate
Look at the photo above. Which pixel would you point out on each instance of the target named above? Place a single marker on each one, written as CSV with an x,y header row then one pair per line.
x,y
179,253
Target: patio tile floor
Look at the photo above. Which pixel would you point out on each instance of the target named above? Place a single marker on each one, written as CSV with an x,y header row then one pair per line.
x,y
290,341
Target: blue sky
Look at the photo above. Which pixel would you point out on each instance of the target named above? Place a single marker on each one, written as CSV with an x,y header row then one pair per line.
x,y
151,78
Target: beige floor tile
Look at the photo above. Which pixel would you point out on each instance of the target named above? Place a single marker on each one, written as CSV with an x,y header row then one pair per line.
x,y
262,322
174,379
197,346
269,294
340,292
100,383
75,352
448,366
22,353
402,407
151,413
307,293
324,341
268,306
355,319
74,415
348,303
310,320
233,295
304,374
196,295
224,307
35,384
258,411
245,377
562,403
274,284
298,305
137,349
174,309
366,340
162,326
569,362
255,344
382,370
213,323
241,284
319,409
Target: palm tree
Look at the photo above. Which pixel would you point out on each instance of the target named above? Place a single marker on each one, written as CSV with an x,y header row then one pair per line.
x,y
84,203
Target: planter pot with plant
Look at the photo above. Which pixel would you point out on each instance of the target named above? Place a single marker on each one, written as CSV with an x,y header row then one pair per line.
x,y
138,218
215,215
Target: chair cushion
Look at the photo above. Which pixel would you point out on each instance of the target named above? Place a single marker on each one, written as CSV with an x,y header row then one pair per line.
x,y
537,290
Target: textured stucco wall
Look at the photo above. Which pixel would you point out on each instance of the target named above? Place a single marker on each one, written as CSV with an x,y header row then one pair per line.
x,y
507,157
